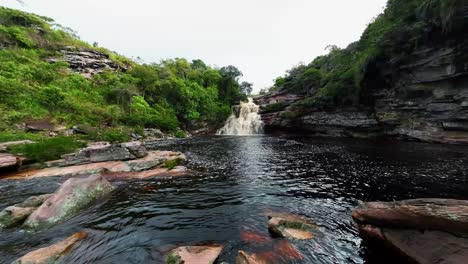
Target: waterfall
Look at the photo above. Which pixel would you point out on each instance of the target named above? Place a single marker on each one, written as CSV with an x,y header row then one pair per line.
x,y
244,120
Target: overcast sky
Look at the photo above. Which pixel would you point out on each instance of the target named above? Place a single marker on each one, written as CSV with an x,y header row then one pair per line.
x,y
263,38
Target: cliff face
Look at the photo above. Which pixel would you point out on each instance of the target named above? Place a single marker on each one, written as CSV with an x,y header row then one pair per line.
x,y
421,96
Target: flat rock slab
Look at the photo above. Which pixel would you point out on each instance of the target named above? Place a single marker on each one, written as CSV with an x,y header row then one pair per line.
x,y
290,226
103,151
428,247
4,146
194,254
426,214
158,172
73,195
153,159
8,160
51,253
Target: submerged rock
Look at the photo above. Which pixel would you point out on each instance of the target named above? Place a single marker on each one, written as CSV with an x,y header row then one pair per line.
x,y
16,214
412,227
74,195
194,254
152,160
103,151
290,226
281,252
252,237
51,254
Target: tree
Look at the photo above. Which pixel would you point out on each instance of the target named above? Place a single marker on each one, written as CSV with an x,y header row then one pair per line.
x,y
231,72
246,88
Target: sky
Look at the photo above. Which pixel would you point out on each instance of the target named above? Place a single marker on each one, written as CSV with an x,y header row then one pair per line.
x,y
263,38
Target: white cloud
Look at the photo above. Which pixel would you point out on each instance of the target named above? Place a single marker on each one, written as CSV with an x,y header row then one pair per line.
x,y
263,38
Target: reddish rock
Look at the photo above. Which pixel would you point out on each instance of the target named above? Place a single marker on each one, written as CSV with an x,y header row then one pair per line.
x,y
194,254
282,252
8,161
153,159
73,195
290,226
51,253
423,230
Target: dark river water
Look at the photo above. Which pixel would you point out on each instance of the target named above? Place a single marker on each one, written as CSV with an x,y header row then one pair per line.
x,y
237,179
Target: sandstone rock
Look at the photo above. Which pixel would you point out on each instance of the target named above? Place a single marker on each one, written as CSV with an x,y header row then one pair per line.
x,y
412,227
282,252
158,172
152,160
52,253
290,226
194,254
103,151
8,161
5,145
16,214
73,195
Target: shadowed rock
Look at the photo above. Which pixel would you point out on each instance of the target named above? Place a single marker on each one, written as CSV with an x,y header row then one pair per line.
x,y
290,226
72,196
194,255
51,254
423,230
152,160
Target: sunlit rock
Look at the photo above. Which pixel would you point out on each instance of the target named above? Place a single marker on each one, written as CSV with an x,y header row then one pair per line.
x,y
290,226
53,253
73,195
282,252
194,254
16,214
8,161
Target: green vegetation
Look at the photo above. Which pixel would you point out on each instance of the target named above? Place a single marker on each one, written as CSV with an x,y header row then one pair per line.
x,y
274,108
171,164
338,78
48,149
170,95
16,136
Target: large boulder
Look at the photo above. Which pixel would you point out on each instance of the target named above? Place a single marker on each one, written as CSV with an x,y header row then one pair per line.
x,y
53,253
412,227
103,151
194,254
152,160
16,214
73,195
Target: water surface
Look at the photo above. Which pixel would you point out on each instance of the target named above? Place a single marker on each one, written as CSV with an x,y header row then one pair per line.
x,y
237,179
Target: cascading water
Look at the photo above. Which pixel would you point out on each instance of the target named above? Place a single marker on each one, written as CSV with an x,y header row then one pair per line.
x,y
244,120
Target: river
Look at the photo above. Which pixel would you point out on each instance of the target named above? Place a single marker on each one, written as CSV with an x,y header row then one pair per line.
x,y
237,179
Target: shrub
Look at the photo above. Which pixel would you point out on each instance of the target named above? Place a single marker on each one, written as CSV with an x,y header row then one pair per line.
x,y
48,149
15,136
115,136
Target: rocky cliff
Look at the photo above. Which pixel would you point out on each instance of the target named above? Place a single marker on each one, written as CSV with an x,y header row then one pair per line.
x,y
422,94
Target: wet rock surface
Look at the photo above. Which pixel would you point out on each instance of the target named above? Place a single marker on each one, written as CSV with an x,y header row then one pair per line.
x,y
194,254
53,253
290,226
412,227
73,195
16,214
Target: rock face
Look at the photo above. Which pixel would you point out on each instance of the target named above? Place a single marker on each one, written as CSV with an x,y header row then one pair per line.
x,y
87,62
152,160
412,227
422,96
194,254
73,195
103,151
51,254
16,214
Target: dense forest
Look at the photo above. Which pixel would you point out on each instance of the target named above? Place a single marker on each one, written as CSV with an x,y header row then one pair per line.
x,y
339,78
170,95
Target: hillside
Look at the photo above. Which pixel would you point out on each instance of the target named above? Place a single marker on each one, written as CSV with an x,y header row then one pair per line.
x,y
49,77
407,77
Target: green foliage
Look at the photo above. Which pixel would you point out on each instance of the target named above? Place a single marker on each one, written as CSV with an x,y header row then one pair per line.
x,y
168,95
48,149
273,108
338,77
115,136
171,164
180,134
16,136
